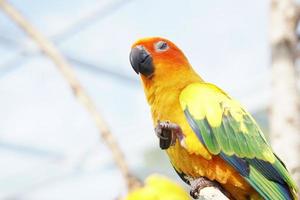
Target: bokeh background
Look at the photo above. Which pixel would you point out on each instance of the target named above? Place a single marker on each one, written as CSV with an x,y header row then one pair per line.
x,y
50,148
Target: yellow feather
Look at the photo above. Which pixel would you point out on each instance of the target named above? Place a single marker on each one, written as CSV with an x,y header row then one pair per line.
x,y
213,113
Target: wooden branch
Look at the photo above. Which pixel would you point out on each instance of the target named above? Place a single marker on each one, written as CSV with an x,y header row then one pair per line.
x,y
203,188
285,102
212,193
64,67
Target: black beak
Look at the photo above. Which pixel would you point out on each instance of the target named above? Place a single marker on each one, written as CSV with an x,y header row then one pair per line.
x,y
141,61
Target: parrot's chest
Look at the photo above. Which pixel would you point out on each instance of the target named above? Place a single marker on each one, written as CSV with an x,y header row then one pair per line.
x,y
192,159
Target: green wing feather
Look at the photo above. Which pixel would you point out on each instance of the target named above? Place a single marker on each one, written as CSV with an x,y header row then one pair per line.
x,y
226,129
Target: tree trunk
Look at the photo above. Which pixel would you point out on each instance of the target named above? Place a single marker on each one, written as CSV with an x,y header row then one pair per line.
x,y
285,101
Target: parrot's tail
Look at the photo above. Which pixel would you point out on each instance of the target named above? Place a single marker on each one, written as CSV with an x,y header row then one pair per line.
x,y
270,189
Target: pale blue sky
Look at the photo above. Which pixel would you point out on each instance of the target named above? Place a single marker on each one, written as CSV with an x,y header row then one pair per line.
x,y
44,131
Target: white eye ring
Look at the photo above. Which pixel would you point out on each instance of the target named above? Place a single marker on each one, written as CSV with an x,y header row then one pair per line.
x,y
161,46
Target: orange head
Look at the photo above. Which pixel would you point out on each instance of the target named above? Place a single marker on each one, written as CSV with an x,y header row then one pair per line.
x,y
160,62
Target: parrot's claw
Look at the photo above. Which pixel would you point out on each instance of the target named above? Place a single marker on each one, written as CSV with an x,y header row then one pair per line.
x,y
200,183
167,132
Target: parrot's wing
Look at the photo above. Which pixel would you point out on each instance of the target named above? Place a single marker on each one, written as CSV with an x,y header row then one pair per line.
x,y
227,130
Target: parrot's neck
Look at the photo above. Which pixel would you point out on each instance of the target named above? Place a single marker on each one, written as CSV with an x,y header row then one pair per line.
x,y
167,91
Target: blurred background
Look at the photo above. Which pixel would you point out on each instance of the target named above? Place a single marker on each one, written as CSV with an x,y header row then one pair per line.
x,y
50,148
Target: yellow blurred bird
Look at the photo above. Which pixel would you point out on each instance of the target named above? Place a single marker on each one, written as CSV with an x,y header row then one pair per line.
x,y
158,187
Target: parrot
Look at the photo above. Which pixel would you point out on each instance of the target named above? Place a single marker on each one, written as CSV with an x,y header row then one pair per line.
x,y
209,137
158,187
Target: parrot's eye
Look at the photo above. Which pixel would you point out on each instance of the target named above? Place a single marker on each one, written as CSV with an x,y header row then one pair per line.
x,y
161,46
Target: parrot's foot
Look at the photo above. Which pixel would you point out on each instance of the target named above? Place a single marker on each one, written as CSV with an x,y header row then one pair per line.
x,y
200,183
168,132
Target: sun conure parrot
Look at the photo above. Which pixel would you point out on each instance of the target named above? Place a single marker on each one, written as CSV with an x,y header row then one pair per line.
x,y
158,187
208,135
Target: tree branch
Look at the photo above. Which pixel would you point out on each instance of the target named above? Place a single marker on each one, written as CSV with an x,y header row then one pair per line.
x,y
64,67
285,102
212,193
